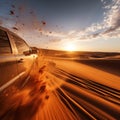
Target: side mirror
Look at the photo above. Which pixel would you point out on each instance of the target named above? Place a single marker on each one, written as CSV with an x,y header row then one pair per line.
x,y
34,51
27,52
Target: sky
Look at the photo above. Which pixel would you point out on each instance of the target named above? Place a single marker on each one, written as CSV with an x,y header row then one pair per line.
x,y
80,25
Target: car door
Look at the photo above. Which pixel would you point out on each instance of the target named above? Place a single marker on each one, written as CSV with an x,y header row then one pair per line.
x,y
8,63
24,58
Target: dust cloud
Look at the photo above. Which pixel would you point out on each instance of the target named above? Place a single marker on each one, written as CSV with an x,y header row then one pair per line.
x,y
61,89
23,103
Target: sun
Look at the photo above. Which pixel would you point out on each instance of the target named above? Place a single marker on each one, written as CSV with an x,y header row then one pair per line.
x,y
70,47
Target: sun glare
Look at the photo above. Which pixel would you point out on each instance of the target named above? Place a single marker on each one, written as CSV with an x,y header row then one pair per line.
x,y
70,47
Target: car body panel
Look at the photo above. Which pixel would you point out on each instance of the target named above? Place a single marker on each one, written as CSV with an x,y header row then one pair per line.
x,y
24,62
8,66
15,66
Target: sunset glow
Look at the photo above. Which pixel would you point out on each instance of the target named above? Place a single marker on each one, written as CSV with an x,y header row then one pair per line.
x,y
70,47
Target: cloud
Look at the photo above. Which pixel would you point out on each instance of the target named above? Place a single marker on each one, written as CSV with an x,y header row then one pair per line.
x,y
53,34
112,18
108,28
110,24
54,40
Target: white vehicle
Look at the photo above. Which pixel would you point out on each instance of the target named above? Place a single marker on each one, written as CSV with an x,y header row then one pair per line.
x,y
16,59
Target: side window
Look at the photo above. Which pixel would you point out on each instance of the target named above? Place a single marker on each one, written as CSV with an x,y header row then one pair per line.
x,y
5,47
20,44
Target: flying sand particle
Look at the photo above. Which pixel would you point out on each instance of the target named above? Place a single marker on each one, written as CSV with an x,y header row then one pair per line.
x,y
12,12
15,28
43,22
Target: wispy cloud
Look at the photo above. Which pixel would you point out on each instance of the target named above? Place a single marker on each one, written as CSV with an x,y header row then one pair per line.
x,y
112,18
108,28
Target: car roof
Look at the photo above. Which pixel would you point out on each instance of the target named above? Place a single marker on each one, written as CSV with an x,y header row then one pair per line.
x,y
7,30
3,28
